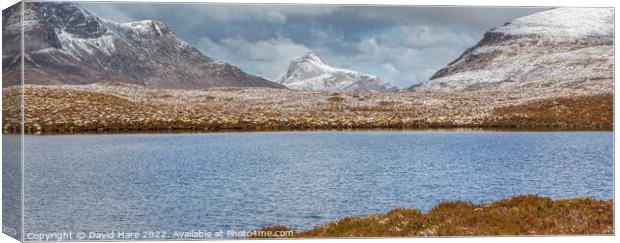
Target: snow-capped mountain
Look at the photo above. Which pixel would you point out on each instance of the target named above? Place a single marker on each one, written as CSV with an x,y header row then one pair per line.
x,y
65,44
312,74
563,47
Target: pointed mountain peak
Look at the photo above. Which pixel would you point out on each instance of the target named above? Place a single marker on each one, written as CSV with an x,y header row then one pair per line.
x,y
312,56
310,73
149,27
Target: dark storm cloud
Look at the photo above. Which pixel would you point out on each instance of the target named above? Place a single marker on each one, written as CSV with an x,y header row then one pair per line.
x,y
404,45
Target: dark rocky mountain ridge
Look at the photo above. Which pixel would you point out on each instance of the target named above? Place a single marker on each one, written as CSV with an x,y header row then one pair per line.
x,y
65,44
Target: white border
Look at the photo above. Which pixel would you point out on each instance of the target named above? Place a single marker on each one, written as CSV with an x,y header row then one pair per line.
x,y
576,3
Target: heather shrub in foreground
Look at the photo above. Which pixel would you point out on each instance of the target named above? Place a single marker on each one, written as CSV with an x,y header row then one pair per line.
x,y
519,215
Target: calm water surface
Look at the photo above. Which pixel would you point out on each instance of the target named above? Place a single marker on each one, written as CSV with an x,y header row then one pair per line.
x,y
243,181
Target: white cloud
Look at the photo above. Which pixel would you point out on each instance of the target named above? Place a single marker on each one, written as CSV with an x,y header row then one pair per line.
x,y
108,11
403,55
275,17
268,58
428,36
389,68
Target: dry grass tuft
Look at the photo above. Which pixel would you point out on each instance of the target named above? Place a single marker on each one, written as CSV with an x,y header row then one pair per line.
x,y
519,215
596,111
335,99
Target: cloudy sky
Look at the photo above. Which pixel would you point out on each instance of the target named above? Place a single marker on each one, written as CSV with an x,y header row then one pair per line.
x,y
402,45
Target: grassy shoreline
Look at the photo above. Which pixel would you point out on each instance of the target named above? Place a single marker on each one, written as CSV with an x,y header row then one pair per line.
x,y
519,215
428,129
107,108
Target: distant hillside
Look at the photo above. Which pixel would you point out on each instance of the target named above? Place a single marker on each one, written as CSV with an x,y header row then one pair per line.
x,y
564,47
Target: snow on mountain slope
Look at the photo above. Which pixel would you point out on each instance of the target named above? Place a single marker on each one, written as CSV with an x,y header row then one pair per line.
x,y
563,47
310,73
65,44
563,22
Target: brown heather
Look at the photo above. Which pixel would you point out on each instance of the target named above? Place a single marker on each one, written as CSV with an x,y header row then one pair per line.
x,y
585,111
114,107
519,215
